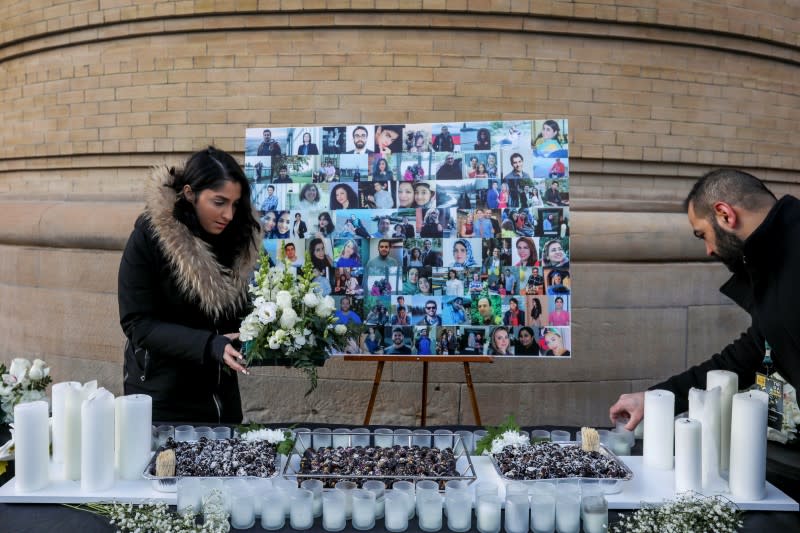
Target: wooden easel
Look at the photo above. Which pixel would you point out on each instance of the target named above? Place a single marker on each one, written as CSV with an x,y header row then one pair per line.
x,y
425,359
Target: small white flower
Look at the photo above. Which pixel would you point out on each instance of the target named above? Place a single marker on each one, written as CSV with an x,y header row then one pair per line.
x,y
267,313
284,299
340,329
311,299
273,343
19,367
288,318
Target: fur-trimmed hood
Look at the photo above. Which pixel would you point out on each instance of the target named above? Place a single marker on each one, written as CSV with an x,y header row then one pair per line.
x,y
199,275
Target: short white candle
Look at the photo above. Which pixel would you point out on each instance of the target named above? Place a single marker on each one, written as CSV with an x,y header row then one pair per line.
x,y
459,510
363,509
517,513
315,486
243,514
488,513
273,514
301,513
568,511
543,508
189,495
407,488
378,488
396,517
333,518
595,514
429,509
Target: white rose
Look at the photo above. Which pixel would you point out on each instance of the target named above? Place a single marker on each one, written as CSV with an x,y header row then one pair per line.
x,y
311,299
284,299
35,373
267,313
288,318
340,329
19,367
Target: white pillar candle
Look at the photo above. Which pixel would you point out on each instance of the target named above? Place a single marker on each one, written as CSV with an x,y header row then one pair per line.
x,y
659,413
487,511
301,514
97,441
74,395
517,513
31,442
429,511
333,518
728,382
688,453
134,418
749,445
704,407
59,419
396,516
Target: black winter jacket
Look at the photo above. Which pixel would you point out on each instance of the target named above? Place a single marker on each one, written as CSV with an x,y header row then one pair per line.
x,y
767,286
175,303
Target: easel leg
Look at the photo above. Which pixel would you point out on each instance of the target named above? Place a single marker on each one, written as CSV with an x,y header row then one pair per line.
x,y
475,412
375,384
424,393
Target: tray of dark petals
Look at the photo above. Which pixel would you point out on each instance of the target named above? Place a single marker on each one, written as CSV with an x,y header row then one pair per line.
x,y
547,460
217,458
388,464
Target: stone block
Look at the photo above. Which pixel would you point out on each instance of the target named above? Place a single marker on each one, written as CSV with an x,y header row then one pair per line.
x,y
19,266
712,327
93,271
107,373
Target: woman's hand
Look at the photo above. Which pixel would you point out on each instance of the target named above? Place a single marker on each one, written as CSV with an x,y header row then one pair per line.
x,y
232,357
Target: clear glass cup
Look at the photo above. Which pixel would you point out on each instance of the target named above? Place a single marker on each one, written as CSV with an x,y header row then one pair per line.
x,y
595,514
203,431
347,488
603,434
486,488
407,488
384,437
540,435
273,509
559,435
429,510
378,488
360,437
161,434
619,443
516,487
421,438
222,432
590,487
620,428
543,507
341,438
611,486
287,487
568,508
363,509
477,435
184,434
463,439
397,504
301,510
333,514
322,438
243,515
257,487
315,486
487,512
442,439
458,505
425,486
189,495
517,519
402,437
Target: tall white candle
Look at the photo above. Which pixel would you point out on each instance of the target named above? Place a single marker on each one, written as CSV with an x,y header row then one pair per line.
x,y
704,407
134,418
75,394
97,441
59,419
31,442
688,453
659,413
749,445
728,382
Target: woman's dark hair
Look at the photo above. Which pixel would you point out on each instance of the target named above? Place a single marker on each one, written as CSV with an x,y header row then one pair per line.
x,y
319,264
536,308
351,197
306,188
210,169
327,216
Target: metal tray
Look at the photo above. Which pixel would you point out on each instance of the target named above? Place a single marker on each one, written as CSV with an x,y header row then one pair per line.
x,y
603,450
464,467
170,484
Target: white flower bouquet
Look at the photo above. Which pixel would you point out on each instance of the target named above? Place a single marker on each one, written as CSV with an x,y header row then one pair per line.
x,y
22,382
291,323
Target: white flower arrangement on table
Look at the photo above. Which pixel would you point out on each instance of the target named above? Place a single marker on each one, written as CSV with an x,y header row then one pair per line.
x,y
291,323
137,518
687,512
22,382
282,439
497,438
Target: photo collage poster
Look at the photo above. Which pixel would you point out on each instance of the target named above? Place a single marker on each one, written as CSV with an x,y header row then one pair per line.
x,y
442,238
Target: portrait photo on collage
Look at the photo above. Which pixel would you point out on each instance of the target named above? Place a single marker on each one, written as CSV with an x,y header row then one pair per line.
x,y
441,238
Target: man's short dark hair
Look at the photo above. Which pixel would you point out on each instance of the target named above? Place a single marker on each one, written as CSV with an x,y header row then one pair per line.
x,y
265,131
398,330
516,154
283,167
735,187
270,187
287,245
360,128
401,308
384,241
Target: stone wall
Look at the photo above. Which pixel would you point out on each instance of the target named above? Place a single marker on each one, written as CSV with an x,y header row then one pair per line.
x,y
92,93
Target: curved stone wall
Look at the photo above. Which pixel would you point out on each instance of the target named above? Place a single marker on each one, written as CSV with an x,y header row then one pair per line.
x,y
92,93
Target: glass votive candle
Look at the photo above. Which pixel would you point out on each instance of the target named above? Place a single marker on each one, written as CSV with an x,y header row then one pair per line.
x,y
595,514
203,431
184,433
578,437
407,488
638,432
273,509
161,434
540,435
620,428
590,487
485,488
516,487
402,437
429,510
315,486
458,505
301,513
222,432
229,487
189,494
559,435
421,438
463,439
243,514
517,513
619,443
425,486
363,509
287,487
378,488
568,509
611,486
360,437
258,486
603,434
384,437
347,488
442,439
543,507
210,484
333,518
396,516
487,512
477,435
322,438
341,438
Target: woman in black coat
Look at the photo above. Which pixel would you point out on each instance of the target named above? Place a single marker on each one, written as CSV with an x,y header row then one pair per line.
x,y
183,288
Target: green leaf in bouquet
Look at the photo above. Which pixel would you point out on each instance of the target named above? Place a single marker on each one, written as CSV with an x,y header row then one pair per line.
x,y
484,444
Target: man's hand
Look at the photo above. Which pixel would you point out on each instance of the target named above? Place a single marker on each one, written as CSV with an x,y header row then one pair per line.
x,y
630,406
